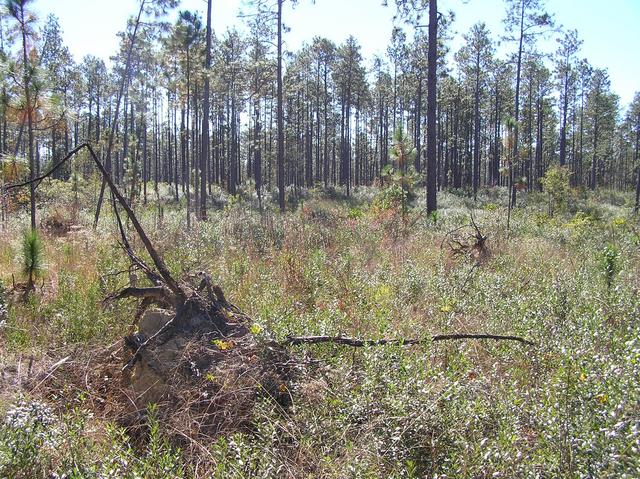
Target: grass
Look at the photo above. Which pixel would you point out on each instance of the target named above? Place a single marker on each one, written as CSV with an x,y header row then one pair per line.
x,y
567,408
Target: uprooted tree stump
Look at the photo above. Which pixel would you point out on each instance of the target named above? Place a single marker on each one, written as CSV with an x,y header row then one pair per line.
x,y
202,366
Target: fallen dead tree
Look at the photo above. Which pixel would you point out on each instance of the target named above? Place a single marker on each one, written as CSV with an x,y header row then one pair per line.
x,y
193,352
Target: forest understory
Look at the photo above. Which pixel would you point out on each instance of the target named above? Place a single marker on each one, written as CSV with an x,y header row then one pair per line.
x,y
225,254
564,276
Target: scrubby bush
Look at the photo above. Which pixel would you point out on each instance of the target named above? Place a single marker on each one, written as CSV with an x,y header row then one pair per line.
x,y
556,185
609,261
27,437
36,442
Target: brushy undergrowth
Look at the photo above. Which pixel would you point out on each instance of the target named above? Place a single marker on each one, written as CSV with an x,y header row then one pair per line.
x,y
568,281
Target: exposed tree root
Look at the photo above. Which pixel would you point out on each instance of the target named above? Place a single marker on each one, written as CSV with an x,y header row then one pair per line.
x,y
157,293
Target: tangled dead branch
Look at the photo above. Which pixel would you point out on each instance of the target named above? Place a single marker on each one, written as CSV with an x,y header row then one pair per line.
x,y
461,242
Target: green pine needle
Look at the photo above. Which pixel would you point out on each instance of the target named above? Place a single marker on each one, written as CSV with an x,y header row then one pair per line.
x,y
33,266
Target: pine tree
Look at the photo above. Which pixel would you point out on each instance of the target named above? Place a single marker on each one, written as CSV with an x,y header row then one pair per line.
x,y
18,10
33,266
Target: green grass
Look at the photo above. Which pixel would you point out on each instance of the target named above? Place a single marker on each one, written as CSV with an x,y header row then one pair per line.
x,y
567,408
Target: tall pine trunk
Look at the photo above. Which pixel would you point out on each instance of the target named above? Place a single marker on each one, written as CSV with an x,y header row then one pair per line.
x,y
432,61
515,155
204,153
280,115
637,158
476,131
28,111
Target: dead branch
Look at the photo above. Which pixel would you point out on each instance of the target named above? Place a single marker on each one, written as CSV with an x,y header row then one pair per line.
x,y
138,347
480,238
449,234
358,343
155,293
469,275
137,261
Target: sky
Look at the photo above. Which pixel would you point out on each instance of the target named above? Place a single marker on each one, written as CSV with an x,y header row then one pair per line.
x,y
610,30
